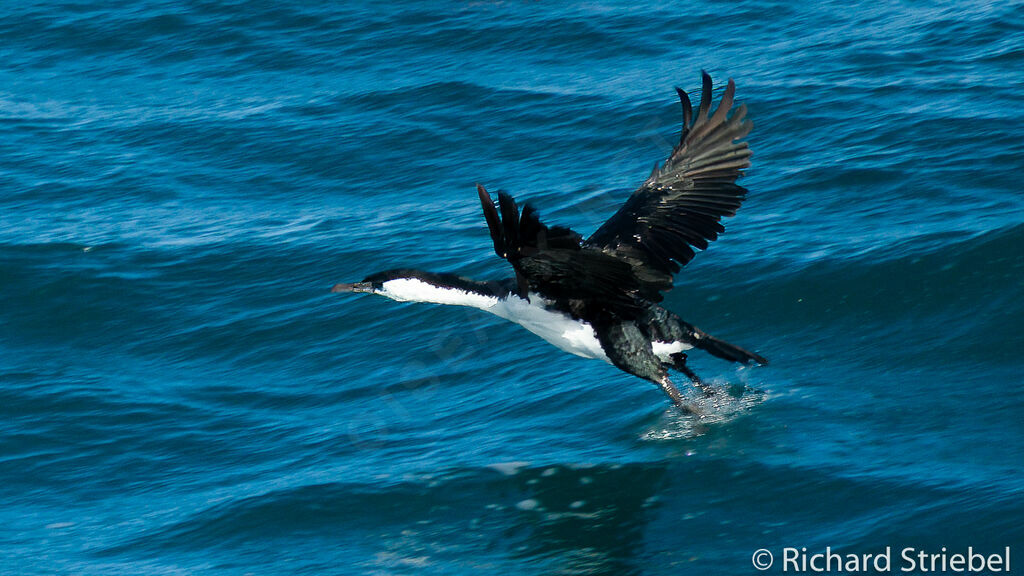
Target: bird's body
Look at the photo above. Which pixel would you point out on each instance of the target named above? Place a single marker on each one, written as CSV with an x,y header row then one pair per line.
x,y
599,298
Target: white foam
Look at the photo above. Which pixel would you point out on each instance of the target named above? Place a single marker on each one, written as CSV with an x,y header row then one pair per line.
x,y
508,468
528,504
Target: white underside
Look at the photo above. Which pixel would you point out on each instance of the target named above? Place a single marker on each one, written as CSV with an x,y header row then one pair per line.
x,y
564,332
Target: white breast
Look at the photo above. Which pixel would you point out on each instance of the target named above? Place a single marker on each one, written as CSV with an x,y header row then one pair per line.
x,y
564,332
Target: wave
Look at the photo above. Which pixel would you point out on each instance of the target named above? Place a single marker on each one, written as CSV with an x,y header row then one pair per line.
x,y
553,514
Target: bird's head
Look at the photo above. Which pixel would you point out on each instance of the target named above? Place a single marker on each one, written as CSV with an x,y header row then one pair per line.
x,y
380,282
358,287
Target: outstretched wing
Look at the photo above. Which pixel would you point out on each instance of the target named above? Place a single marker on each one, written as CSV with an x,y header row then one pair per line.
x,y
522,235
550,259
681,204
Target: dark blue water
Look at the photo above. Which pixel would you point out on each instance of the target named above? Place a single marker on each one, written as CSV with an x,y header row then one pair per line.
x,y
181,184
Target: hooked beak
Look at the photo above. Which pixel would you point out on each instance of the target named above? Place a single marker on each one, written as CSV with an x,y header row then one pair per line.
x,y
356,287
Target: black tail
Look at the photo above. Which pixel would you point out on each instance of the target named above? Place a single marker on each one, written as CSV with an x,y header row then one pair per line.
x,y
665,326
724,350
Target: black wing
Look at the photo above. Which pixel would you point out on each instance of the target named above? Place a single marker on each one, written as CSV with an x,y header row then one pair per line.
x,y
681,204
518,235
551,261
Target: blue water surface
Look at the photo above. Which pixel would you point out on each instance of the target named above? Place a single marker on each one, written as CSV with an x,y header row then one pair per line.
x,y
182,182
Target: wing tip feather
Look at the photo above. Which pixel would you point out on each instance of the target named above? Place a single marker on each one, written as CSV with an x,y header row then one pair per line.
x,y
684,101
705,94
492,218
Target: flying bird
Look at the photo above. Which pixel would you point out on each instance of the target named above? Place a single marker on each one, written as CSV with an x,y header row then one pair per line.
x,y
599,297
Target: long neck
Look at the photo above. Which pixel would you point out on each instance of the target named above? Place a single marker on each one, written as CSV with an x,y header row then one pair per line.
x,y
444,289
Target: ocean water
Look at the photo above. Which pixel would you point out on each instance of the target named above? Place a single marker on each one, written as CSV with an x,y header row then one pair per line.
x,y
182,182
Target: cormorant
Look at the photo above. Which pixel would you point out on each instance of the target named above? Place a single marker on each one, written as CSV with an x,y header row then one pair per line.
x,y
598,298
